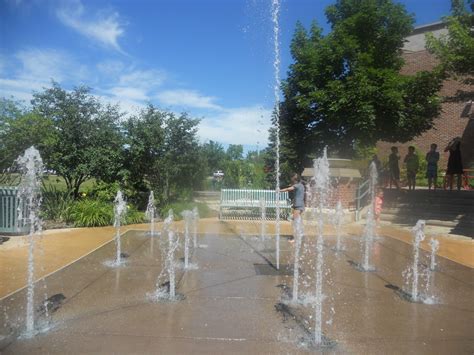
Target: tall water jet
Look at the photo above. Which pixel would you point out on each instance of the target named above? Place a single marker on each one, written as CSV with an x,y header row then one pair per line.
x,y
166,290
418,236
369,229
187,216
298,232
276,92
434,244
170,263
150,212
120,207
263,218
322,185
195,226
338,219
29,194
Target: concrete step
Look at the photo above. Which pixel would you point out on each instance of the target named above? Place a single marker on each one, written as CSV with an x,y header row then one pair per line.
x,y
435,220
429,202
438,193
445,210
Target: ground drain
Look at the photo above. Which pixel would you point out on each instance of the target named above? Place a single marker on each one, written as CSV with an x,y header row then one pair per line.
x,y
402,294
52,304
270,270
359,267
308,340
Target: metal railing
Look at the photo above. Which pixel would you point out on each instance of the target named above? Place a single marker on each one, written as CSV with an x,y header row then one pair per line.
x,y
362,193
9,203
246,204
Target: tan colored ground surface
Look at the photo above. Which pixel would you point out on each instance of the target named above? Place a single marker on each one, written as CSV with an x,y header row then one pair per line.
x,y
58,248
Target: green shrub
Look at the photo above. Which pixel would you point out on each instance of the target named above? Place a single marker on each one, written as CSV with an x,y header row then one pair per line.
x,y
56,204
96,213
134,216
180,206
92,213
103,191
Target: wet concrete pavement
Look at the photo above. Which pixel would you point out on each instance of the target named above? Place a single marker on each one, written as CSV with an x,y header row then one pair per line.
x,y
228,308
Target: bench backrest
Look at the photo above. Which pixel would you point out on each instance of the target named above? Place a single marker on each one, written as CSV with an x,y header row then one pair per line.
x,y
253,198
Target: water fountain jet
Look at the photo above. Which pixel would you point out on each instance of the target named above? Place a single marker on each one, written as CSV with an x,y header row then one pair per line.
x,y
187,216
338,219
150,212
322,185
275,10
120,208
298,232
195,226
434,244
418,236
369,229
29,194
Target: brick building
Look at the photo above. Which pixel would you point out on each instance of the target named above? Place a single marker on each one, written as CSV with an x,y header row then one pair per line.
x,y
456,118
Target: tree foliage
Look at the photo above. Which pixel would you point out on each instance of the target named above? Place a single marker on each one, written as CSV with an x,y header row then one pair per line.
x,y
20,129
455,50
215,155
86,141
162,153
345,88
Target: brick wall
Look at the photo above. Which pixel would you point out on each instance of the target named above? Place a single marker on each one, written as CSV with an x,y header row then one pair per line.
x,y
342,189
447,126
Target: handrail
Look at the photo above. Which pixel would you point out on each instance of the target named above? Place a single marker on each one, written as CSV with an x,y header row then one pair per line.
x,y
362,190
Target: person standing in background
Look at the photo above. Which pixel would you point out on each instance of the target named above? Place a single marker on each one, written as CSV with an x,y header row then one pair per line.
x,y
394,169
454,162
412,163
432,158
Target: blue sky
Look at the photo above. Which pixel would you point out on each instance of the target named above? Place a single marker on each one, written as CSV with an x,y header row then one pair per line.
x,y
212,58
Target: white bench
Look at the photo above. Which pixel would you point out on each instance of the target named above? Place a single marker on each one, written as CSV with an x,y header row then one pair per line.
x,y
247,204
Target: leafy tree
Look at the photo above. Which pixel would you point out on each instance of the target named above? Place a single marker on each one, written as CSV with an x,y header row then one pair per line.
x,y
162,153
184,164
455,50
87,141
19,130
215,156
144,148
235,152
345,88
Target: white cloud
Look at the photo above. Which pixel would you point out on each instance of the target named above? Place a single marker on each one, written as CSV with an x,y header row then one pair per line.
x,y
245,125
126,105
32,69
128,93
46,64
106,28
147,79
111,67
188,99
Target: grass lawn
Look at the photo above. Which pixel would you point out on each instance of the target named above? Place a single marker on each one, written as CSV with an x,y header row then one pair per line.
x,y
49,180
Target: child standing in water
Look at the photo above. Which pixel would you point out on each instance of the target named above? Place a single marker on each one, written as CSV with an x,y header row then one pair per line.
x,y
432,158
378,205
298,200
412,163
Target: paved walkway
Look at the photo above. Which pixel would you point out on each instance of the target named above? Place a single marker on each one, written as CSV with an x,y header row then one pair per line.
x,y
229,307
58,248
